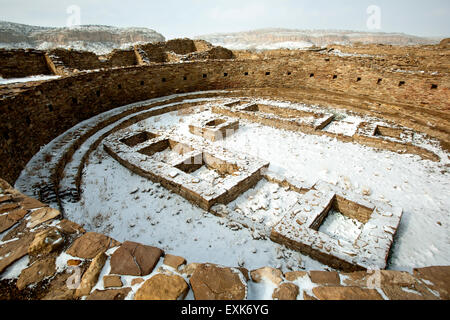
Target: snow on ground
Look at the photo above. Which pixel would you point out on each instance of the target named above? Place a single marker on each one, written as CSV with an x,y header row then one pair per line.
x,y
338,226
209,175
292,45
113,204
284,45
347,127
28,79
263,206
339,53
128,207
13,271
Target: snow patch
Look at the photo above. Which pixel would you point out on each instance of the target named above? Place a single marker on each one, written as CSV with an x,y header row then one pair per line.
x,y
14,271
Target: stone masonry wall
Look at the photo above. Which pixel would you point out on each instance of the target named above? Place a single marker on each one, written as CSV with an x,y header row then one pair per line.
x,y
121,58
202,45
22,63
180,46
64,62
31,115
62,103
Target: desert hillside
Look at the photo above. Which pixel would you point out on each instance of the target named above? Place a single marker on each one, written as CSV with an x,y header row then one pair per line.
x,y
98,39
289,38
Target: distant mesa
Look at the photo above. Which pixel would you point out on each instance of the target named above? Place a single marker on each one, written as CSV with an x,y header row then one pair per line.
x,y
94,38
102,40
270,39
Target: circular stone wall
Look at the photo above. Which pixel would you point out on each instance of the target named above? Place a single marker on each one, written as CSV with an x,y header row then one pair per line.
x,y
366,159
99,190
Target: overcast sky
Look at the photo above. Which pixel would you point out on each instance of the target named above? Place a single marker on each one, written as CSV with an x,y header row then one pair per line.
x,y
187,18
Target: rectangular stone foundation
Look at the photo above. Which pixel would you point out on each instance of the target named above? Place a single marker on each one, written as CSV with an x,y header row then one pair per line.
x,y
298,230
171,161
393,139
215,129
399,140
277,117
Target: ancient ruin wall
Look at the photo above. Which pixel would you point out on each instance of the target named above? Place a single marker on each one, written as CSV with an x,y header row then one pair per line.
x,y
35,116
150,53
121,58
202,45
180,46
22,63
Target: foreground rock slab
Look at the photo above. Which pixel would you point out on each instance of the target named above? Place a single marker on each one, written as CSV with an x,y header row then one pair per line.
x,y
163,287
436,278
346,293
286,291
91,244
116,294
37,272
10,219
91,275
14,250
212,282
42,215
174,261
134,259
325,278
268,274
112,282
46,241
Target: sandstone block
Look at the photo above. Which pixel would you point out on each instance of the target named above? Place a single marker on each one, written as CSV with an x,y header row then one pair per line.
x,y
308,297
346,293
4,185
91,244
190,269
436,278
42,215
69,227
10,219
355,279
173,261
136,281
134,259
73,262
399,293
7,207
14,250
286,291
325,278
269,274
28,203
46,241
37,272
211,282
111,281
294,275
90,277
115,294
163,287
6,198
397,278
